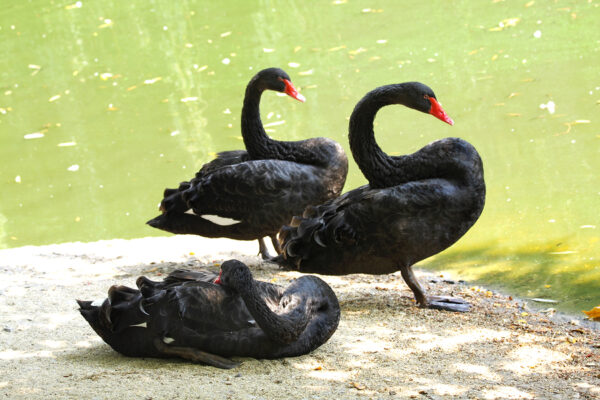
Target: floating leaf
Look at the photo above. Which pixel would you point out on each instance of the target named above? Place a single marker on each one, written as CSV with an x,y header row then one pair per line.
x,y
538,300
593,314
152,81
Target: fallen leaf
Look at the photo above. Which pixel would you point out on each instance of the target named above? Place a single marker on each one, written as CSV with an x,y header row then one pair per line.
x,y
594,313
357,386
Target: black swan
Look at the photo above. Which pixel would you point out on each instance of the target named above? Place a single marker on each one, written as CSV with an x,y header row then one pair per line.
x,y
205,317
257,190
414,206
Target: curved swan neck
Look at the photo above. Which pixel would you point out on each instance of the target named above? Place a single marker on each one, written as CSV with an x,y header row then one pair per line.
x,y
278,328
260,146
372,161
256,140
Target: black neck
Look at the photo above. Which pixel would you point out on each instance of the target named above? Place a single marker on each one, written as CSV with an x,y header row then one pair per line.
x,y
380,169
278,328
260,146
257,142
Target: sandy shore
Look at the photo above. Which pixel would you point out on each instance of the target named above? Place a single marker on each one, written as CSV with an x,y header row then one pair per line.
x,y
384,348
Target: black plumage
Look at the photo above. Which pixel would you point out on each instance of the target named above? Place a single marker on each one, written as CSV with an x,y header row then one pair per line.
x,y
188,315
261,187
414,206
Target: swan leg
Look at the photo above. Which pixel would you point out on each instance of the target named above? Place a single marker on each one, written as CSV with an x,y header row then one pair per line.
x,y
194,355
276,244
414,285
434,302
262,249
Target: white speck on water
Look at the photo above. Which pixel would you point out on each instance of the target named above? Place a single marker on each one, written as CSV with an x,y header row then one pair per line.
x,y
276,123
382,41
67,144
18,178
537,34
174,133
268,50
588,226
573,141
34,135
165,28
508,200
552,221
73,168
186,99
524,61
226,61
127,213
227,111
550,106
293,64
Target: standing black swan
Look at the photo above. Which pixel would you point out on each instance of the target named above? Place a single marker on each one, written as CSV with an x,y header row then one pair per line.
x,y
414,206
205,317
261,188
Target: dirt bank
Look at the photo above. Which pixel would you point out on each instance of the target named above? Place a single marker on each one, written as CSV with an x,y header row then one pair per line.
x,y
385,347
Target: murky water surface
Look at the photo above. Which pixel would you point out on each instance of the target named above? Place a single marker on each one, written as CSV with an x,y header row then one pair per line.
x,y
104,103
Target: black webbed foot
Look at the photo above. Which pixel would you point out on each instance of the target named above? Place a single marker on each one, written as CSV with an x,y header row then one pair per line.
x,y
448,303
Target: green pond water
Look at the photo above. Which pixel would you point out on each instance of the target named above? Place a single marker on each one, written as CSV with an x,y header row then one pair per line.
x,y
105,103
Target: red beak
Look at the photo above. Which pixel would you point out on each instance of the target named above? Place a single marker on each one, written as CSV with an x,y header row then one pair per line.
x,y
438,112
291,91
218,280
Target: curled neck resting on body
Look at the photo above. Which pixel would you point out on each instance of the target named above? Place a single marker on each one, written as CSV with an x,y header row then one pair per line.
x,y
205,317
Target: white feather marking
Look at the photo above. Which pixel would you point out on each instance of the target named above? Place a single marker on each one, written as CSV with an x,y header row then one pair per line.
x,y
142,325
168,340
97,303
223,221
142,309
190,211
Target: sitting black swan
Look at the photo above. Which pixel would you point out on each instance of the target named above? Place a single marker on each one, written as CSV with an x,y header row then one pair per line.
x,y
259,189
205,317
414,206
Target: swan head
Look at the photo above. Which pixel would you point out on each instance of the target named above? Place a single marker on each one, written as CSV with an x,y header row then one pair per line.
x,y
420,97
278,80
234,274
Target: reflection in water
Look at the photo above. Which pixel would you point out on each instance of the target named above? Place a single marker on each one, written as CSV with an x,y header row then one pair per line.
x,y
103,104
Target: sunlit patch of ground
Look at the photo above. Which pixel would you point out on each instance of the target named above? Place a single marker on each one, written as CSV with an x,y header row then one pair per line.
x,y
385,346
